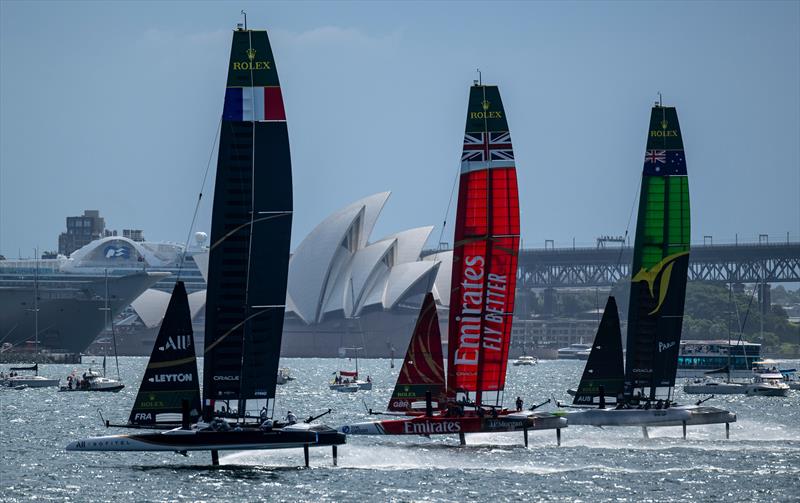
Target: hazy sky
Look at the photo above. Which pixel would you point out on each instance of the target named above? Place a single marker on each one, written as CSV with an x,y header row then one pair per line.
x,y
114,106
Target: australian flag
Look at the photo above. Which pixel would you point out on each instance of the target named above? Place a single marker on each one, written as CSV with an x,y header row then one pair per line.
x,y
664,162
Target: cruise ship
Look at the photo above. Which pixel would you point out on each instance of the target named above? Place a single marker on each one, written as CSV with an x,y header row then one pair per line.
x,y
73,292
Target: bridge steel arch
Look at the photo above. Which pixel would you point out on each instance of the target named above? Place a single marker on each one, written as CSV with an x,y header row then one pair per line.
x,y
603,267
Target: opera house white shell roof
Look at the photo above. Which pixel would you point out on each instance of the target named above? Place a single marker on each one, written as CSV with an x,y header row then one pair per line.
x,y
337,270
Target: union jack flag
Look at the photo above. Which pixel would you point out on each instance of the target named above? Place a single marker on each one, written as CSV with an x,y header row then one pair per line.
x,y
655,156
498,147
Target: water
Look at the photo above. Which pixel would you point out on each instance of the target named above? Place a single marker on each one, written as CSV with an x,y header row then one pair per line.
x,y
761,461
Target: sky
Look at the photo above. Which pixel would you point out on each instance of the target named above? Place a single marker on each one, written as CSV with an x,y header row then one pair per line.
x,y
114,106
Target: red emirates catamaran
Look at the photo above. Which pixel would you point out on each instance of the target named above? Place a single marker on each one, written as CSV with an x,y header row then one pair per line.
x,y
481,302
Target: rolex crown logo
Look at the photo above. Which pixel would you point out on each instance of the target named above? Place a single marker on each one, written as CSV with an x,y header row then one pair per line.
x,y
664,124
251,54
485,104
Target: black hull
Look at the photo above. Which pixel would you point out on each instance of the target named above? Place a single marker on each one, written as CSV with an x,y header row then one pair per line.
x,y
192,440
115,389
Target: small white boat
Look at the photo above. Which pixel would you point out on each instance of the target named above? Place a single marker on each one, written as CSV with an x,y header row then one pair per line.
x,y
284,376
17,381
768,384
91,381
349,382
525,361
345,380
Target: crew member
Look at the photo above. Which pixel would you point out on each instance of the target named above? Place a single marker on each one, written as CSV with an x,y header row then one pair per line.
x,y
519,404
291,418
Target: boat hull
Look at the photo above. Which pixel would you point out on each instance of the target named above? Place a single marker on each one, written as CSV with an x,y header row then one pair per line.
x,y
761,390
628,417
443,425
31,383
195,440
715,389
702,414
110,389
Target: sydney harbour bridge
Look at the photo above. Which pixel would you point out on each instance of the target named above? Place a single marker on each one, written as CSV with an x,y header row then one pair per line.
x,y
603,266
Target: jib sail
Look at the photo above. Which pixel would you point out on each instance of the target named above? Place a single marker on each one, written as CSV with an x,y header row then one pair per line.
x,y
660,262
485,253
423,366
250,231
604,369
171,374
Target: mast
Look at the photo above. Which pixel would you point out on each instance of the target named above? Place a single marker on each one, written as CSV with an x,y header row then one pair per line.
x,y
107,317
660,262
486,244
250,231
36,301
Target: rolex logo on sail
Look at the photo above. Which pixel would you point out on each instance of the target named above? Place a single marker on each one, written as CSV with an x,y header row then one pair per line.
x,y
664,133
251,63
486,114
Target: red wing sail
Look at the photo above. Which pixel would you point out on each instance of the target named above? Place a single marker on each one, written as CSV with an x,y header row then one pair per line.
x,y
485,253
423,367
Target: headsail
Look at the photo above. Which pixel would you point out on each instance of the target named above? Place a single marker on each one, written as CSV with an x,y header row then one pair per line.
x,y
171,373
485,252
604,366
423,367
660,261
250,230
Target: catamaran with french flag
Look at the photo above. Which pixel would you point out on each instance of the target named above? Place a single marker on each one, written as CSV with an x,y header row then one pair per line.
x,y
486,239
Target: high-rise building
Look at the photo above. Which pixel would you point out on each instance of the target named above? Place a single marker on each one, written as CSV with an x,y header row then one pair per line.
x,y
81,230
133,234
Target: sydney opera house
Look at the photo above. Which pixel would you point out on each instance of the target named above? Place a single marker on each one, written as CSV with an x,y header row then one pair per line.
x,y
347,290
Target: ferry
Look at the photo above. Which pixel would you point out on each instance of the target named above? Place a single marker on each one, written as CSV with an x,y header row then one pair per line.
x,y
696,358
575,352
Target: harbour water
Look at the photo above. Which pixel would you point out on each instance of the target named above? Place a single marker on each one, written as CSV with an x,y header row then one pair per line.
x,y
761,461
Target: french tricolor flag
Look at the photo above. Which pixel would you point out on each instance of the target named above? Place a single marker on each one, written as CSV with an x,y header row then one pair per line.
x,y
253,104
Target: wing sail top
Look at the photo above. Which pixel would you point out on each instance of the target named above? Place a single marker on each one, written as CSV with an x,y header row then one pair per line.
x,y
486,245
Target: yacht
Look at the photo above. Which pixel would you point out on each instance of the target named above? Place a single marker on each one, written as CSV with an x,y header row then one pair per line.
x,y
525,361
770,384
20,381
91,380
575,352
765,380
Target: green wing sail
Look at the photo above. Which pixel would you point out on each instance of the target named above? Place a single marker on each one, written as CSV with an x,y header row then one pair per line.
x,y
660,260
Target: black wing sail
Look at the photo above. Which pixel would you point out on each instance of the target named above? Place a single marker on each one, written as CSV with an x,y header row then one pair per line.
x,y
171,373
604,366
250,230
660,262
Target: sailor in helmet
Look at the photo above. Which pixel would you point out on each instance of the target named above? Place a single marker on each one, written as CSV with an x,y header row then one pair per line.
x,y
291,418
